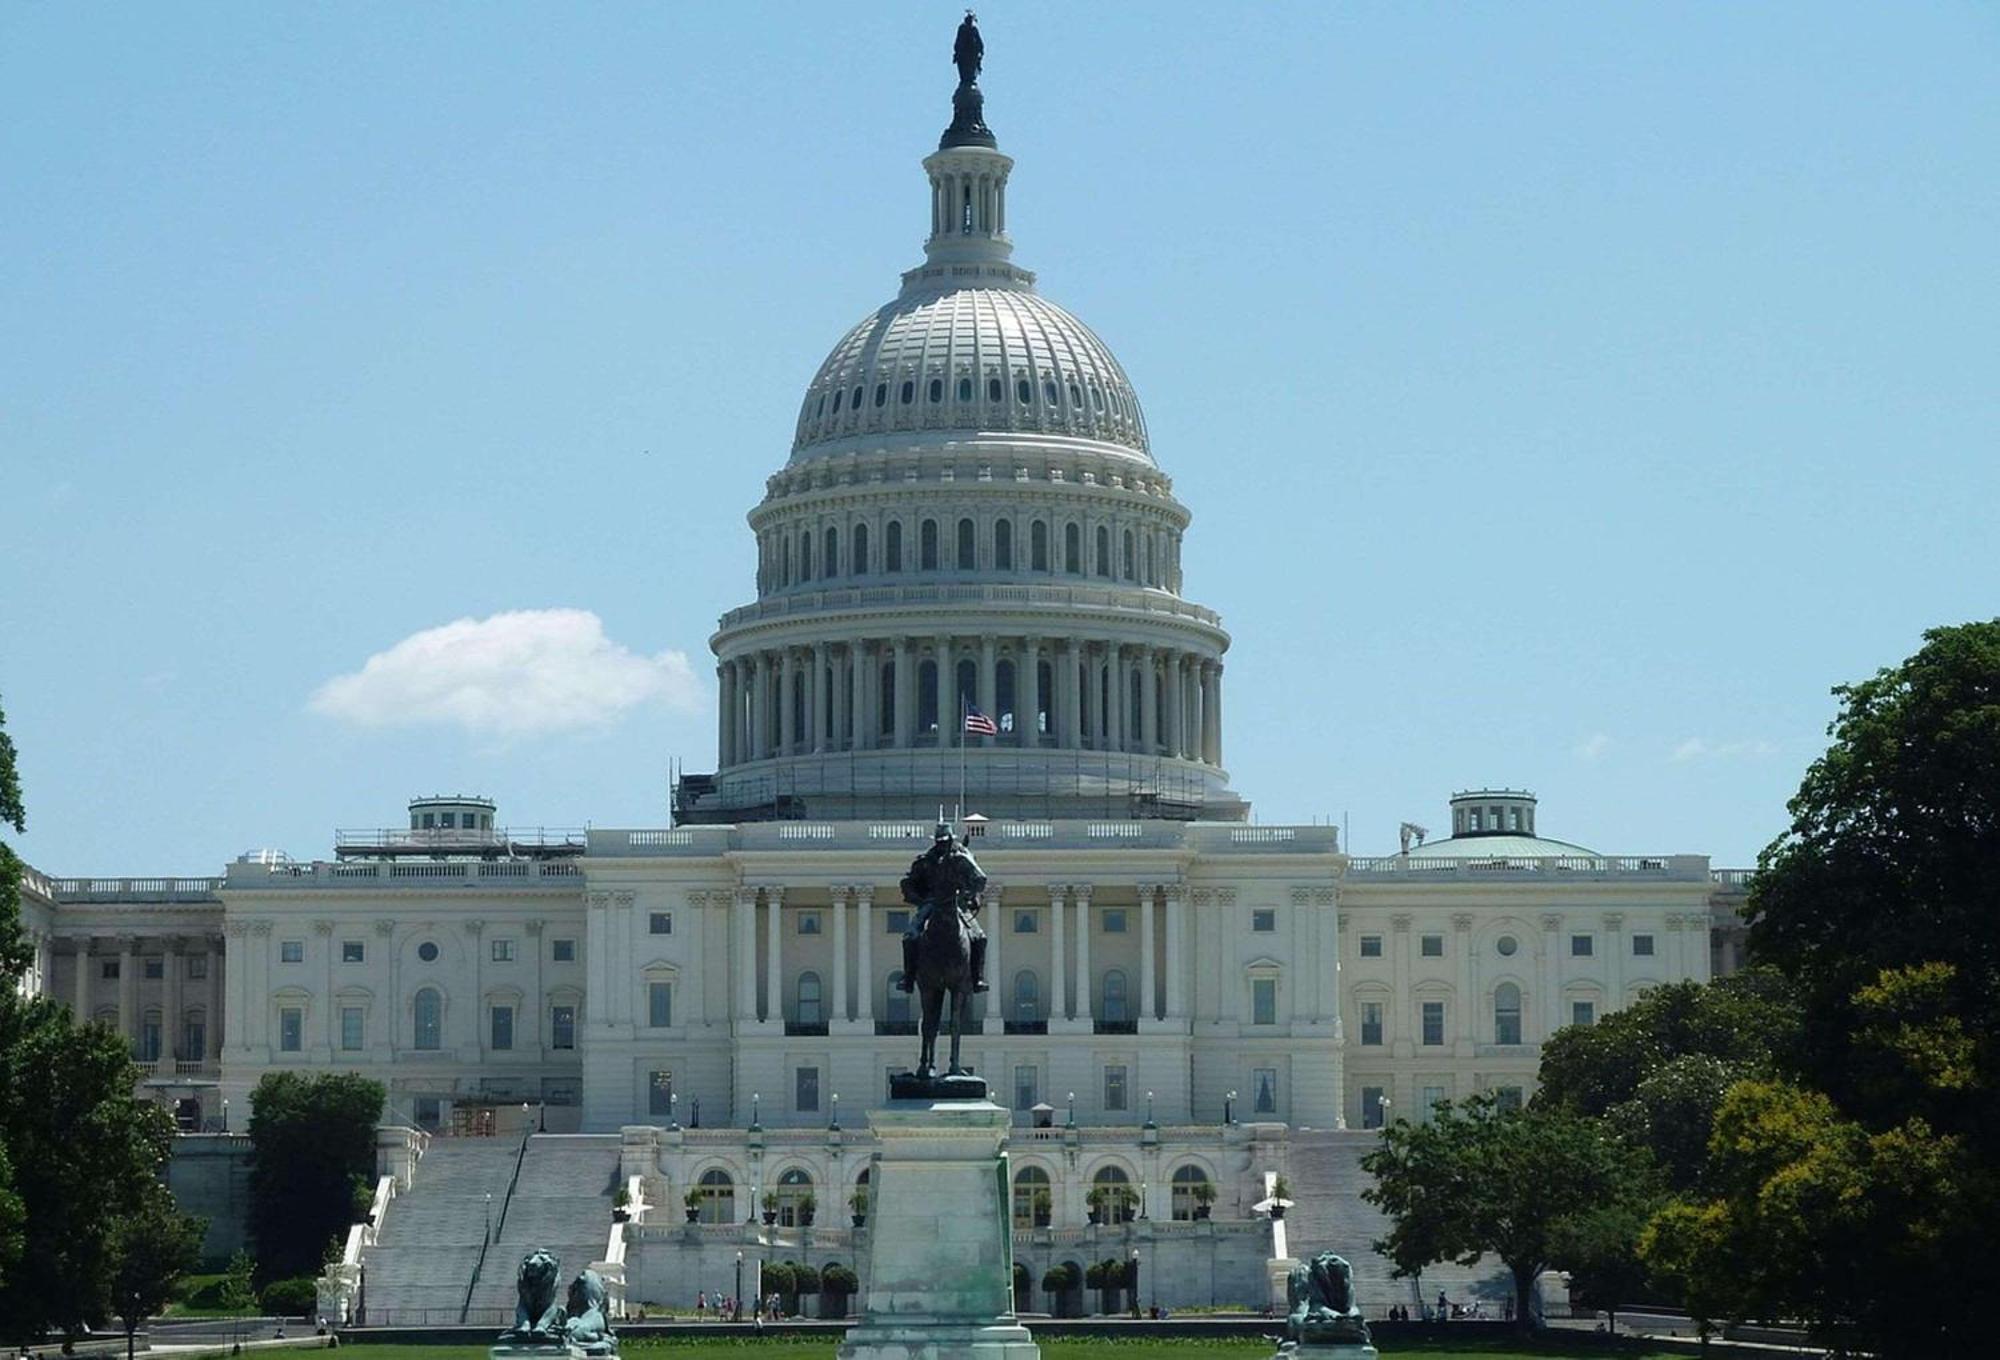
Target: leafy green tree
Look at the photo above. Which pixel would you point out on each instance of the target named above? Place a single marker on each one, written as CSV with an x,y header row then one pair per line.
x,y
12,1218
152,1246
16,954
238,1292
312,1154
1599,1247
1479,1179
86,1153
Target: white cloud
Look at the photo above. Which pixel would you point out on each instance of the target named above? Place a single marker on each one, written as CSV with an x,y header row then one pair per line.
x,y
1593,746
521,673
1701,748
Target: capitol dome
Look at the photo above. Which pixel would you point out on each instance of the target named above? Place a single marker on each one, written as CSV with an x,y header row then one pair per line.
x,y
972,359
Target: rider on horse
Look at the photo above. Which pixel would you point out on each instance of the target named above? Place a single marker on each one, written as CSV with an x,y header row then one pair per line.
x,y
944,874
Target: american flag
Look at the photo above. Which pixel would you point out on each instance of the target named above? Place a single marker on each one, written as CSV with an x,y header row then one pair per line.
x,y
978,724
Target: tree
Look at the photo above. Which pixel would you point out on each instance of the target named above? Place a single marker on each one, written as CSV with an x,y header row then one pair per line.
x,y
312,1139
1599,1247
1479,1179
152,1246
86,1153
16,954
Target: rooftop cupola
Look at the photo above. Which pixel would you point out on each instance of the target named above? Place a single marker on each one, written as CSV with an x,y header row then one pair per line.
x,y
1493,812
968,173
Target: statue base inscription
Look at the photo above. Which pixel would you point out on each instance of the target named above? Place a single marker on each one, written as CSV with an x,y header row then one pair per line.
x,y
940,1279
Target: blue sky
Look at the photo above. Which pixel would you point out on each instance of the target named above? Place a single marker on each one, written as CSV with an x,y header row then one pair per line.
x,y
1567,395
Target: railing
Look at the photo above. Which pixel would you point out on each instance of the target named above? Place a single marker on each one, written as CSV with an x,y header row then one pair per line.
x,y
493,1230
1107,598
1673,868
448,840
373,874
136,889
718,841
1736,879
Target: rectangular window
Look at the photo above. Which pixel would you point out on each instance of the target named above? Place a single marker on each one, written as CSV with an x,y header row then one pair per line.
x,y
1506,1098
660,923
149,1041
1026,1088
1583,1012
503,951
1025,923
1371,1024
1431,946
1432,1097
194,1041
1264,1090
156,968
805,1090
659,1004
1433,1022
1263,1001
351,1020
448,820
1114,920
1642,946
108,970
660,1092
291,951
503,1028
562,951
1371,946
1371,1107
1114,1088
895,921
808,923
291,1029
1263,921
562,1027
353,951
1581,946
197,966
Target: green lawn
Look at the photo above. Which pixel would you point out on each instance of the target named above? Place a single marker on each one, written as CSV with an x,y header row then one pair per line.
x,y
796,1348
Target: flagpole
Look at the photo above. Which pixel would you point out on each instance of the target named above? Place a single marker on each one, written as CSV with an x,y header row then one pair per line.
x,y
961,753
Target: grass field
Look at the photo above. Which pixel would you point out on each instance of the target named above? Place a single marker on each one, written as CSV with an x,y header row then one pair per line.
x,y
1056,1348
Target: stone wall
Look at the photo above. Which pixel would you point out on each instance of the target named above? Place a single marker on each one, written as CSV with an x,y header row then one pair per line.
x,y
209,1175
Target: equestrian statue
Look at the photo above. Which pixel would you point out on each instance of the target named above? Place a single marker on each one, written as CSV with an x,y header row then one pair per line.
x,y
944,950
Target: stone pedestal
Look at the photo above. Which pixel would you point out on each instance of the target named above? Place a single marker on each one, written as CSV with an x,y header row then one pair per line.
x,y
1341,1351
940,1279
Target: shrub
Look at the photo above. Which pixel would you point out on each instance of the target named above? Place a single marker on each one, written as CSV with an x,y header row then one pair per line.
x,y
778,1278
290,1298
1061,1278
836,1278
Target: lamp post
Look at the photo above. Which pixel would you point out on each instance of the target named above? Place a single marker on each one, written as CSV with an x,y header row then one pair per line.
x,y
1144,1187
1072,1111
1132,1281
695,1122
1229,1108
673,1110
739,1289
1149,1111
834,1126
225,1114
1384,1103
755,1126
489,1215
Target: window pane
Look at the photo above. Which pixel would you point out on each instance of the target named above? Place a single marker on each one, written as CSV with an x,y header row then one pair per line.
x,y
1431,946
1433,1014
1371,946
1114,1088
659,1092
562,1027
291,1029
350,1027
660,923
659,1004
1264,1001
1264,1090
806,1090
1371,1023
503,1027
1264,921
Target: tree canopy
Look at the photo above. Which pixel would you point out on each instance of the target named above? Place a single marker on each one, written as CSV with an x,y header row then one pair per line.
x,y
1478,1179
16,955
312,1142
152,1246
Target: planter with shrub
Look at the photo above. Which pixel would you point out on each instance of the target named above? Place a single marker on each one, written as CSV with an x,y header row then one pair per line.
x,y
837,1284
290,1298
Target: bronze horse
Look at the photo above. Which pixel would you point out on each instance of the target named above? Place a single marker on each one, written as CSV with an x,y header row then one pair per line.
x,y
944,958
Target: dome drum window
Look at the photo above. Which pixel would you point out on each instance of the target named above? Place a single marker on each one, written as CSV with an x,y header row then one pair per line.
x,y
909,392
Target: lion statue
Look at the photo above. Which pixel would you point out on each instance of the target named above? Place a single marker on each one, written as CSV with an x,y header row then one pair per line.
x,y
1320,1293
588,1329
537,1315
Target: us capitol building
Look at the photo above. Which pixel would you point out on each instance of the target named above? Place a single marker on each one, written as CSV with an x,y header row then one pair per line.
x,y
972,514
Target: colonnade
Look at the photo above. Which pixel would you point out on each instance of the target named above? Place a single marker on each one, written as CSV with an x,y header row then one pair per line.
x,y
891,693
170,992
1161,909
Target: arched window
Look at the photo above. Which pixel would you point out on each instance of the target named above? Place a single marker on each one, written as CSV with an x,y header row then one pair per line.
x,y
1072,550
1027,996
1103,551
927,551
927,695
859,567
1506,1014
1038,545
965,389
968,548
805,555
993,390
149,1034
892,547
909,393
810,1010
1044,721
1003,545
795,1187
838,397
716,1195
1023,392
1131,557
881,393
896,1002
1152,573
1114,995
968,687
1191,1189
1004,698
1112,1193
429,1015
887,707
855,400
785,566
829,558
937,390
1033,1198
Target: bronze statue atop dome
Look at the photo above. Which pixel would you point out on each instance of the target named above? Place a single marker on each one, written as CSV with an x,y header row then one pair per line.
x,y
968,105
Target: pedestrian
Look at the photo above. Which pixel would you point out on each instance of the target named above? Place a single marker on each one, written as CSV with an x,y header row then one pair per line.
x,y
700,1304
1444,1306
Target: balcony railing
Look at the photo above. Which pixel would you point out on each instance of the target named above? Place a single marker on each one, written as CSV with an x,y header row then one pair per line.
x,y
1671,868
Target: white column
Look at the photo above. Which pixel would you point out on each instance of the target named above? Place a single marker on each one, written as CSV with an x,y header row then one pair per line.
x,y
760,709
745,960
1469,1005
996,976
787,715
1176,952
1028,682
724,678
1082,951
79,1006
1058,973
1546,964
861,730
1614,961
843,690
1069,697
840,953
1403,1017
1147,1007
128,990
864,973
1329,957
906,696
817,692
989,683
1149,706
1120,689
1171,719
774,961
1211,739
173,968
